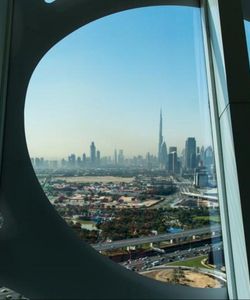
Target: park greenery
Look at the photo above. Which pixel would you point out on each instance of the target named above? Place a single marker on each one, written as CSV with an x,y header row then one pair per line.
x,y
133,223
194,262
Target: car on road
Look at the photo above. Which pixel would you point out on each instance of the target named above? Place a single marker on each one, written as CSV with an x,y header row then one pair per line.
x,y
155,263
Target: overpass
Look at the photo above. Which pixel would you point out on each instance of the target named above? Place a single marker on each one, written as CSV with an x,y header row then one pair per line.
x,y
212,230
200,196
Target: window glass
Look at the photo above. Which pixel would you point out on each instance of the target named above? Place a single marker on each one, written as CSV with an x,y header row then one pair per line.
x,y
118,130
218,61
247,29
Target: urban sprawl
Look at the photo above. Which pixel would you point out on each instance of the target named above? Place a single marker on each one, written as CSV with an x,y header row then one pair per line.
x,y
157,215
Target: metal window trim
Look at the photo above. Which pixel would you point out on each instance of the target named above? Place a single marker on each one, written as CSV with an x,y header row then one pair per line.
x,y
238,278
6,10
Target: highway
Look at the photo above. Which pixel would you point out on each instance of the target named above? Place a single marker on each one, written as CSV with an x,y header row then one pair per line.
x,y
200,196
156,238
146,263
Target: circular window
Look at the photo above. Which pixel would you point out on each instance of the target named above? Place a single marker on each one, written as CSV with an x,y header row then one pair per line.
x,y
117,126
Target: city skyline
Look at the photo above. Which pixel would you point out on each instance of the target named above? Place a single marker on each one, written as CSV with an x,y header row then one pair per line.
x,y
94,153
188,156
89,88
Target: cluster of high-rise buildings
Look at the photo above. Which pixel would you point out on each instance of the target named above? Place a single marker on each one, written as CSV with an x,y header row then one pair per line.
x,y
190,159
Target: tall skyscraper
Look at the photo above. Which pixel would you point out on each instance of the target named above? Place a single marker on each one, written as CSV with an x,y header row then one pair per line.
x,y
98,157
198,157
79,162
172,160
120,157
115,157
190,154
84,158
164,155
148,161
92,153
72,160
202,155
172,149
162,148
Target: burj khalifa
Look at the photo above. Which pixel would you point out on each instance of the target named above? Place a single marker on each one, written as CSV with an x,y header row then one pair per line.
x,y
162,148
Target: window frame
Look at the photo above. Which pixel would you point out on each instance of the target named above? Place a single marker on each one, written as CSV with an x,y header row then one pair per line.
x,y
238,288
226,129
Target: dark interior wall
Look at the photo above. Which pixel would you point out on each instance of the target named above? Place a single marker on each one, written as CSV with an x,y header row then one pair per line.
x,y
41,256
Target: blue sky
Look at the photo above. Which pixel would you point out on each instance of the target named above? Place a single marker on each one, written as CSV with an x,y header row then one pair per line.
x,y
107,81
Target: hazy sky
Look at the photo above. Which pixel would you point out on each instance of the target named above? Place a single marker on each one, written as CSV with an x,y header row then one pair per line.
x,y
107,81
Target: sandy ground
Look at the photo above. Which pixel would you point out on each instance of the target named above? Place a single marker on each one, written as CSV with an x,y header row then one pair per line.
x,y
186,277
103,179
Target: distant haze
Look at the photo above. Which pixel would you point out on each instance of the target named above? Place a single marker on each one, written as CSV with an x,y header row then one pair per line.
x,y
107,82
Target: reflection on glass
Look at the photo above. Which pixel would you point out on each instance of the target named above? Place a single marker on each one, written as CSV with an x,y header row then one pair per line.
x,y
6,293
117,125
